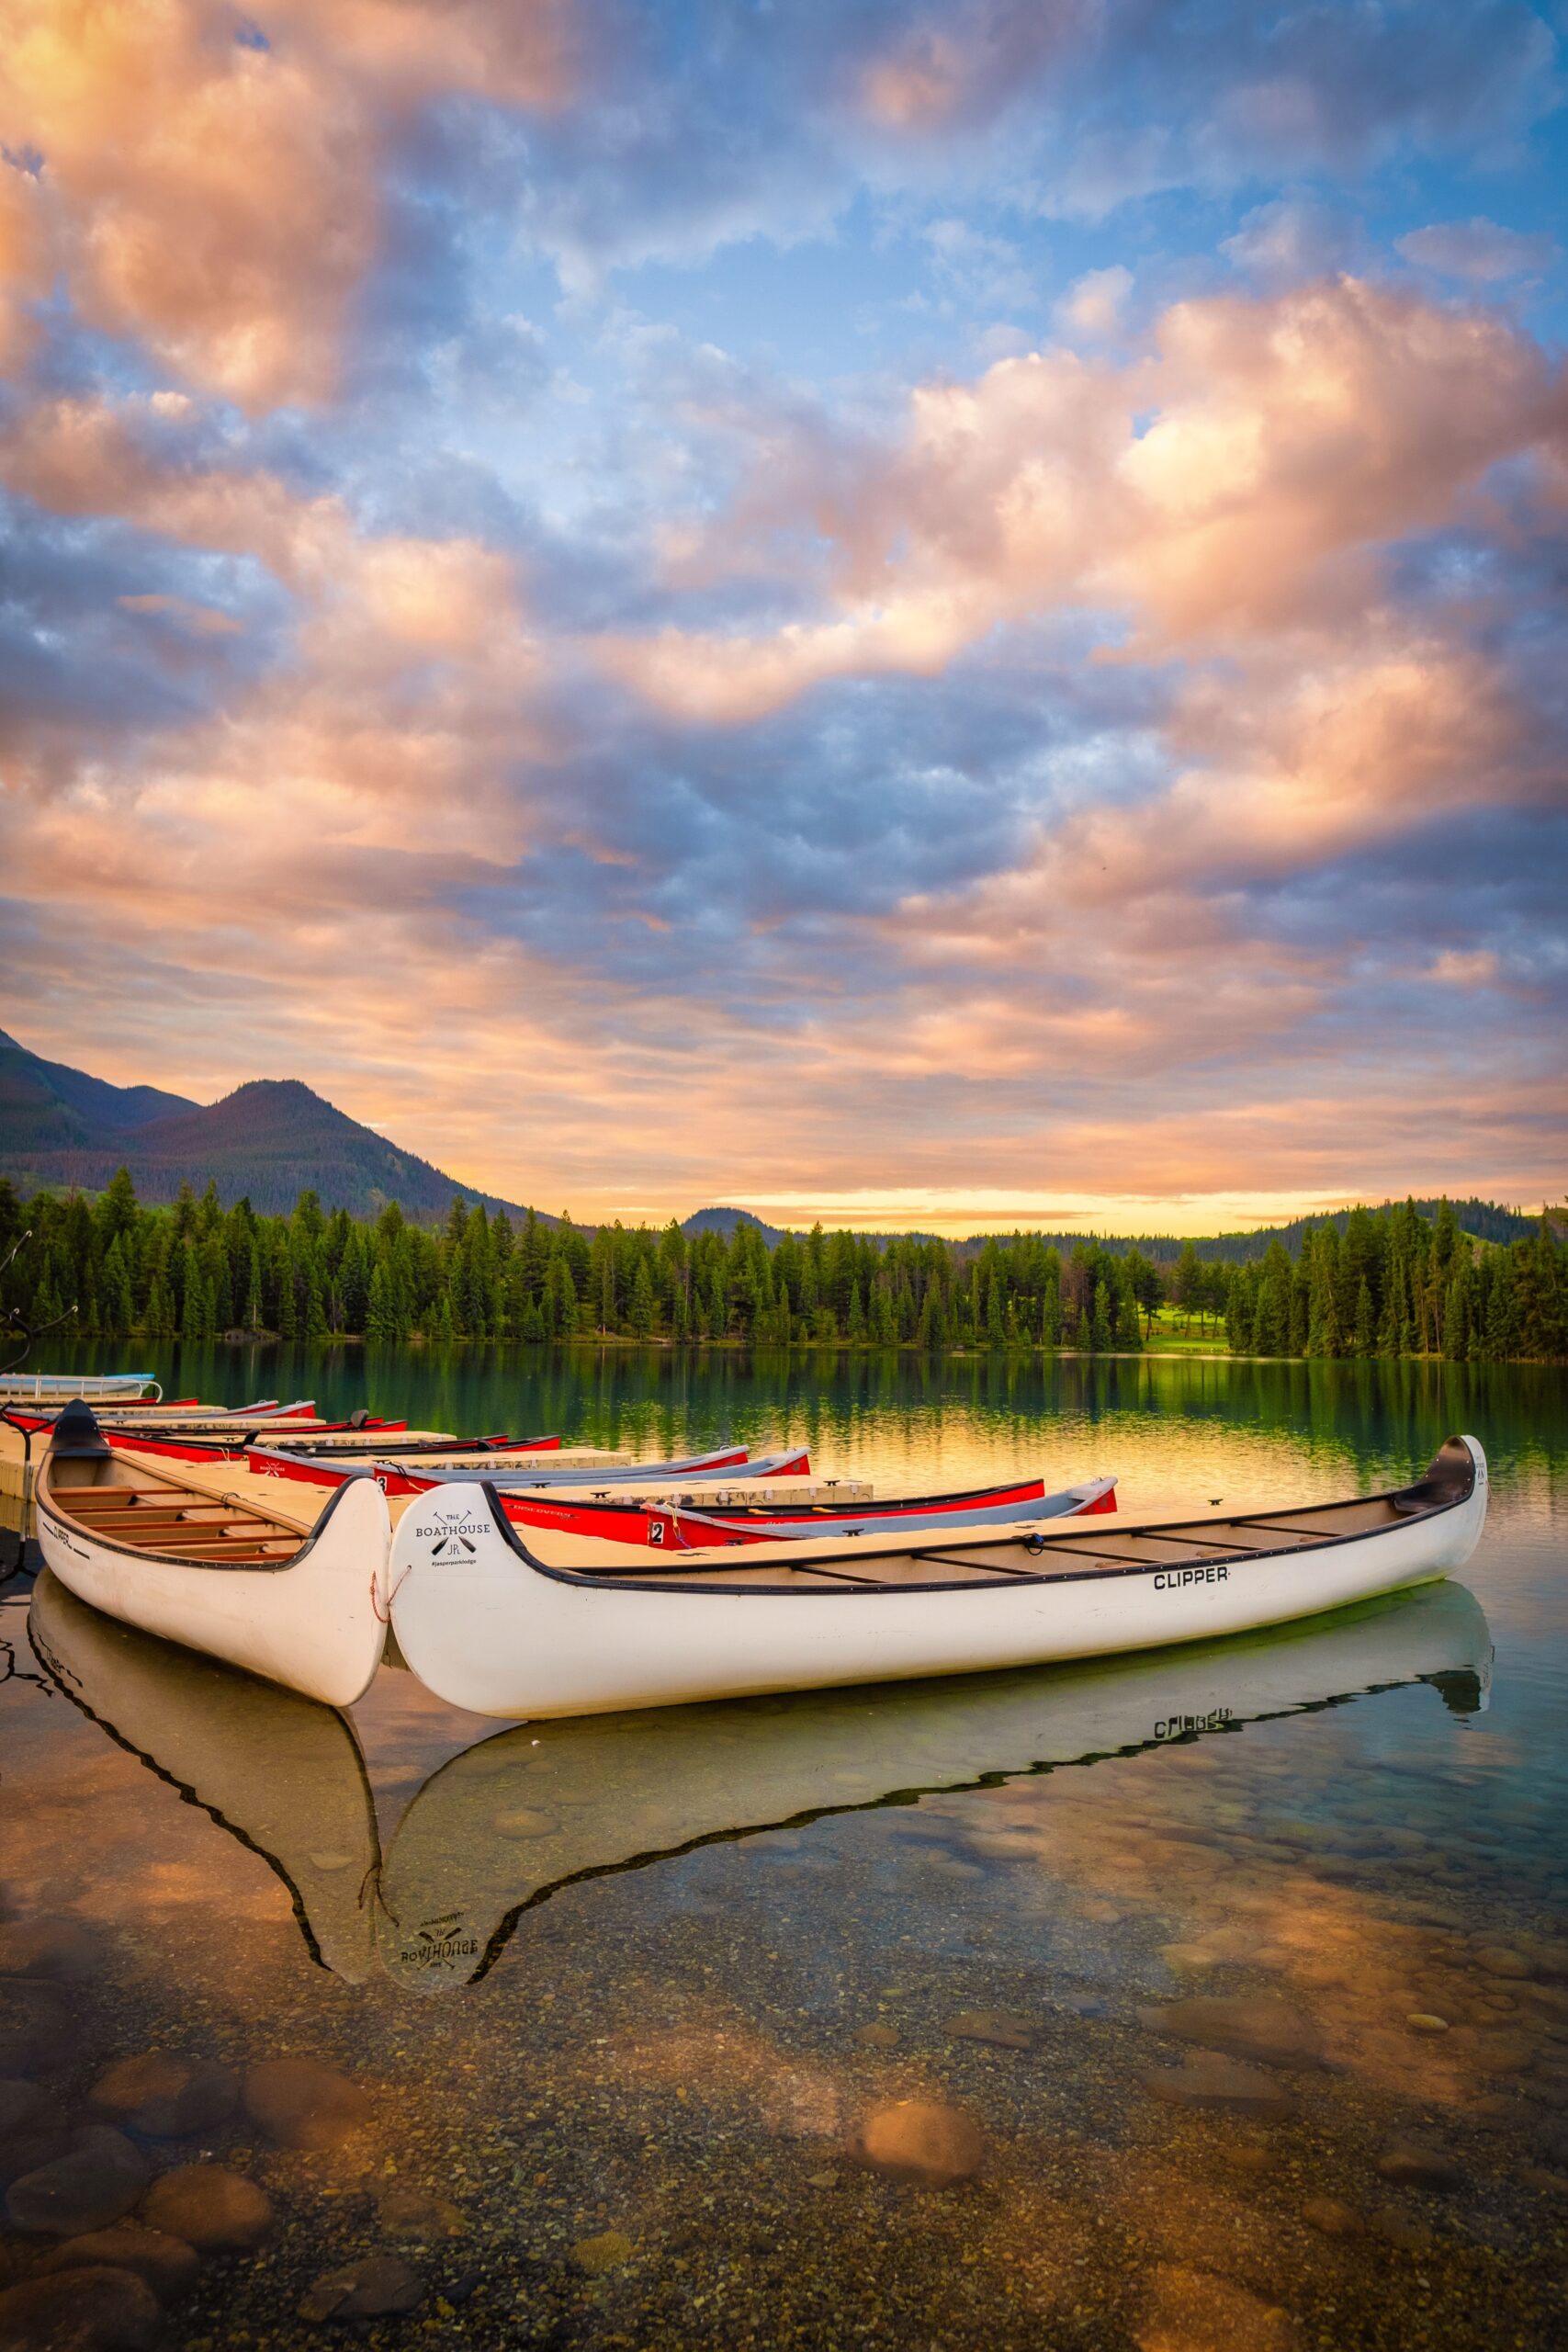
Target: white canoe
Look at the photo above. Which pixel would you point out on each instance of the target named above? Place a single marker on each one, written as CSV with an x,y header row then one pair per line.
x,y
300,1604
560,1625
795,1463
59,1387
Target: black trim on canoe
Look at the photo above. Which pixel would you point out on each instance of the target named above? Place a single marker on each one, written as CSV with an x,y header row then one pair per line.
x,y
1448,1481
82,1533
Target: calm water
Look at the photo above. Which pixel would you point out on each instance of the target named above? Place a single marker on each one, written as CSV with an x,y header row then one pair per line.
x,y
620,1995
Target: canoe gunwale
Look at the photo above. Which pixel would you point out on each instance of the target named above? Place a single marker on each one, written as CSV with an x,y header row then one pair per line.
x,y
849,1581
84,1530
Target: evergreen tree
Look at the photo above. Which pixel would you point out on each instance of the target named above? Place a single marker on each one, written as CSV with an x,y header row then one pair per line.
x,y
116,1310
1324,1338
1129,1333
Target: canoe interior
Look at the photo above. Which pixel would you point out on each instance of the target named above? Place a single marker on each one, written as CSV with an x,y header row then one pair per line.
x,y
121,1503
1040,1555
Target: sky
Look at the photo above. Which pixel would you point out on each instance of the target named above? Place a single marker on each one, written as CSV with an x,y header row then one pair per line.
x,y
935,614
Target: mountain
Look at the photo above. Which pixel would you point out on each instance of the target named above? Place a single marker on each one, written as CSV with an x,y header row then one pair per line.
x,y
269,1140
49,1106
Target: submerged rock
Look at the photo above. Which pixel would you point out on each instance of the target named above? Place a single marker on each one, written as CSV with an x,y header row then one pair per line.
x,y
1002,2029
1252,2026
81,2311
99,2180
167,2265
525,1821
216,2210
165,2096
877,2037
1501,1960
1194,2311
31,2148
414,2213
380,2285
918,2139
1205,2079
304,2102
1335,2220
608,2251
1411,2166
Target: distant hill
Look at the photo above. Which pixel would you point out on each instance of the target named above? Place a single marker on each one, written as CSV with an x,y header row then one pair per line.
x,y
725,1220
1483,1219
268,1141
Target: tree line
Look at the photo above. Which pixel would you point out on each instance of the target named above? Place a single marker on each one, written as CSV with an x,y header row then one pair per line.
x,y
1392,1282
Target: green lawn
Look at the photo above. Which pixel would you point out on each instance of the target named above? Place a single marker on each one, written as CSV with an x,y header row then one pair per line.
x,y
1176,1333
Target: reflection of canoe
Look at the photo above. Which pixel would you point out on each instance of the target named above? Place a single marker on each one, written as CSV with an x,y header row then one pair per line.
x,y
508,1822
523,1812
282,1774
299,1605
507,1621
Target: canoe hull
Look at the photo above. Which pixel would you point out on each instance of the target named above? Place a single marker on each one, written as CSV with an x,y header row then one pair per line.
x,y
316,1622
488,1627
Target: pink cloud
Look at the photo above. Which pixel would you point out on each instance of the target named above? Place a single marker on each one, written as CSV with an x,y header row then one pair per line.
x,y
1239,476
221,200
953,67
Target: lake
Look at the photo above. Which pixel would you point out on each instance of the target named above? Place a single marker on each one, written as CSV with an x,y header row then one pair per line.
x,y
1215,1998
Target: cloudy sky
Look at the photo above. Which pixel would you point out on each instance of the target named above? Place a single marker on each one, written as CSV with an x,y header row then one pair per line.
x,y
942,613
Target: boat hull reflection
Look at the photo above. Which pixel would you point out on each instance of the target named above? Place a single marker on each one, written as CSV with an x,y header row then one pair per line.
x,y
508,1822
281,1773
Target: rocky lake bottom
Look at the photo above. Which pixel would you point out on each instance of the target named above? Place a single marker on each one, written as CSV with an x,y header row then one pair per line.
x,y
1211,2001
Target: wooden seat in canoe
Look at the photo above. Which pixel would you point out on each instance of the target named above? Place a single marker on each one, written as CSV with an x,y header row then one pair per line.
x,y
299,1600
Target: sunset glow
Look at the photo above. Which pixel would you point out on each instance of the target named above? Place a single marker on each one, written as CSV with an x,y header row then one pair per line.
x,y
943,617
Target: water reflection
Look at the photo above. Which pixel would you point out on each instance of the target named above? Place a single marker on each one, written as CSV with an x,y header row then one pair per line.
x,y
281,1774
513,1818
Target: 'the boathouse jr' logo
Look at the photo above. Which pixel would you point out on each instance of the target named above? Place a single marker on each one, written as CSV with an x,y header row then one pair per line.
x,y
454,1531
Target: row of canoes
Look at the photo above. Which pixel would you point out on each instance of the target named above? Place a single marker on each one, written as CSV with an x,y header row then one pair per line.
x,y
530,1590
